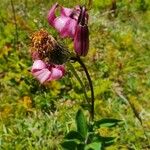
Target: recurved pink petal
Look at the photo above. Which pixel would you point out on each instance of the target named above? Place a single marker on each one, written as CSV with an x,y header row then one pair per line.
x,y
65,26
47,72
51,14
42,75
38,65
55,74
61,67
66,11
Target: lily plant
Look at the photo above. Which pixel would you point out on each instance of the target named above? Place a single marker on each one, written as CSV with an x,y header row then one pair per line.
x,y
49,58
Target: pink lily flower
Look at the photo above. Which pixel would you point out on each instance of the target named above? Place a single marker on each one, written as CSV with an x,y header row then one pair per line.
x,y
64,24
72,23
47,72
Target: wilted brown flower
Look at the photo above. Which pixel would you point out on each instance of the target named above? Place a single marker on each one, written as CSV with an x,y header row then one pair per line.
x,y
46,48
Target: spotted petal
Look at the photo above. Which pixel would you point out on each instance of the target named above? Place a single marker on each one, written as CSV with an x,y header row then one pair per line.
x,y
38,65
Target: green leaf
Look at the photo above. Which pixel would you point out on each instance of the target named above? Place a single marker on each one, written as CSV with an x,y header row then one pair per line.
x,y
106,141
81,123
93,146
69,144
74,135
80,146
107,122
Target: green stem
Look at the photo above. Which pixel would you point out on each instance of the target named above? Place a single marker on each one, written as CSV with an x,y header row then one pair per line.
x,y
90,84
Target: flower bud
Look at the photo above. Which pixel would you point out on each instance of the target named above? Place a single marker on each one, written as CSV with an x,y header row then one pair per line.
x,y
81,39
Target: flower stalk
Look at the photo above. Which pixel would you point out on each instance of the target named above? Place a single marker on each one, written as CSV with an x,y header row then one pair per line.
x,y
78,59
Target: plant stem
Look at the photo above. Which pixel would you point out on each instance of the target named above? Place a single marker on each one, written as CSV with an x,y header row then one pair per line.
x,y
90,84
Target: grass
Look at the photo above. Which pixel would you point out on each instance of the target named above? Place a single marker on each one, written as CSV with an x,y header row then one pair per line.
x,y
33,116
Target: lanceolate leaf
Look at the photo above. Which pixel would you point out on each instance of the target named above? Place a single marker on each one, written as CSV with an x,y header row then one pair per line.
x,y
105,141
69,145
107,122
81,123
74,135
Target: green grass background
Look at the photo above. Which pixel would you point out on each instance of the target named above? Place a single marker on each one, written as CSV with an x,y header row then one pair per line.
x,y
33,116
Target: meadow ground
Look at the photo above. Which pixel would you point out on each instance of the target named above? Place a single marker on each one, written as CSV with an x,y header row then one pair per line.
x,y
34,116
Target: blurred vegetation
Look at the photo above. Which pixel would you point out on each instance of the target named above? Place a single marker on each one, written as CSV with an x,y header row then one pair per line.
x,y
34,116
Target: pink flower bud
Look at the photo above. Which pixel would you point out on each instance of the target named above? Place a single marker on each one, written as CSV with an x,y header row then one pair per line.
x,y
81,40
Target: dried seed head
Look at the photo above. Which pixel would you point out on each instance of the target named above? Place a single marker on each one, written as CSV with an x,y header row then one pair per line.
x,y
47,48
